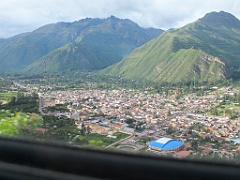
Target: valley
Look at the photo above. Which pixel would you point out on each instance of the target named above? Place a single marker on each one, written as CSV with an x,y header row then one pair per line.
x,y
109,84
205,119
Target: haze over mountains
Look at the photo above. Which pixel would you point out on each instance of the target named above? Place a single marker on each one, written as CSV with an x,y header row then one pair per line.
x,y
88,44
205,50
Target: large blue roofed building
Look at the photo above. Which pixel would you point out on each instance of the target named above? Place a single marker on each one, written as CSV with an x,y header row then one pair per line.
x,y
165,144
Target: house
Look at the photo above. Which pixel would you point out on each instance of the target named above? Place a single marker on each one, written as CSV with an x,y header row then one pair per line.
x,y
183,154
99,129
117,127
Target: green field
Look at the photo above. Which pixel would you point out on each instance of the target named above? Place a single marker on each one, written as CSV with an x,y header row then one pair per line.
x,y
12,123
7,95
218,91
231,107
99,141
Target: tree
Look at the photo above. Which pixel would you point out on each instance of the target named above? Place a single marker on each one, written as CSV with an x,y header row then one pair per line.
x,y
137,128
13,100
88,130
83,129
20,95
194,145
169,113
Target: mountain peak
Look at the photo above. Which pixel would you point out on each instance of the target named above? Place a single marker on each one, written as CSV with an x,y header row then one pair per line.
x,y
113,17
221,18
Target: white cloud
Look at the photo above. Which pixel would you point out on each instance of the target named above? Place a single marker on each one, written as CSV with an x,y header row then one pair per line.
x,y
18,16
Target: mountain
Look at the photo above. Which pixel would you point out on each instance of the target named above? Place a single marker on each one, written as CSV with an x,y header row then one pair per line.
x,y
68,57
54,46
206,50
222,19
23,49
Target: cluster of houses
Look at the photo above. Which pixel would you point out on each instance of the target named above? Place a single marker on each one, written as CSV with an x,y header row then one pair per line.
x,y
159,115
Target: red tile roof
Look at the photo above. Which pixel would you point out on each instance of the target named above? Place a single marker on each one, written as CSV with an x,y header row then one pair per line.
x,y
183,153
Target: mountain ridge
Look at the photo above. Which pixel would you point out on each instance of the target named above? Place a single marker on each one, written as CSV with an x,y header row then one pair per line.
x,y
221,18
160,59
20,51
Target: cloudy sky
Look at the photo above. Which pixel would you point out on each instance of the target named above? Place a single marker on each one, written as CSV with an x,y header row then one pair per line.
x,y
17,16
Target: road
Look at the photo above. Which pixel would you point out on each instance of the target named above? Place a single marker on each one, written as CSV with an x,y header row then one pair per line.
x,y
41,105
19,85
119,141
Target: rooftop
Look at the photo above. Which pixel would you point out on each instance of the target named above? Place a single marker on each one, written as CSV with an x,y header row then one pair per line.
x,y
165,144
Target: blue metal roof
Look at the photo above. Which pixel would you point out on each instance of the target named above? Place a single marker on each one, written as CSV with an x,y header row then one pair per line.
x,y
237,141
167,145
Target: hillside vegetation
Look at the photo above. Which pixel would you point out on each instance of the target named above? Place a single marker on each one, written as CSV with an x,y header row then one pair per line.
x,y
87,44
201,51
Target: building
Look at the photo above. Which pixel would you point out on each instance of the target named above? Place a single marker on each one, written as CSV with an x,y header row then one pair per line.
x,y
117,127
98,129
183,154
165,144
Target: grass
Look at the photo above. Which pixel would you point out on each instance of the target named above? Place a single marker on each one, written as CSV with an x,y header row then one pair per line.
x,y
7,95
179,56
231,107
34,120
12,123
178,66
219,91
99,141
143,151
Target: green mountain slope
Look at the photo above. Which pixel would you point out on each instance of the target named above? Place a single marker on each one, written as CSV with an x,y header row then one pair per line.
x,y
201,50
109,39
21,50
106,43
68,57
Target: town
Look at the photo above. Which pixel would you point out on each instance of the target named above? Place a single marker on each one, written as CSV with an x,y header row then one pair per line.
x,y
180,122
193,124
